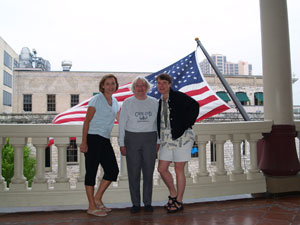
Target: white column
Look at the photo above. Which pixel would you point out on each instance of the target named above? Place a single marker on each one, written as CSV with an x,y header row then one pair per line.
x,y
81,158
278,101
39,181
123,177
188,175
18,182
62,181
253,171
220,174
202,175
237,173
2,181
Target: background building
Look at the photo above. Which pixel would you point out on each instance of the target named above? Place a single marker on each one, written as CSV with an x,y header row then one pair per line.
x,y
30,87
225,67
8,61
57,91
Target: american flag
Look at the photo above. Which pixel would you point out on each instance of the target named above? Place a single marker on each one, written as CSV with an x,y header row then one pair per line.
x,y
186,77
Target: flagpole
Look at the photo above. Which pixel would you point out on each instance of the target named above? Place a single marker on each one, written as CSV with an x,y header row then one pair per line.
x,y
224,82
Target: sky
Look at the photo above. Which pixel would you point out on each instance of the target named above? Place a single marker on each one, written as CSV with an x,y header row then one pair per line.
x,y
139,35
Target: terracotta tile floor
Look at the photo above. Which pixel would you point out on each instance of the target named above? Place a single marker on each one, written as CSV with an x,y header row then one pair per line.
x,y
282,210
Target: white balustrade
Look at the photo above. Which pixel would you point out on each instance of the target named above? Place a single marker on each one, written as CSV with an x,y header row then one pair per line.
x,y
18,181
39,181
80,178
253,170
202,175
237,173
123,176
224,179
62,181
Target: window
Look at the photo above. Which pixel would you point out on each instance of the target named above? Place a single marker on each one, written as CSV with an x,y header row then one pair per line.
x,y
7,79
72,151
6,98
223,95
27,103
7,60
242,96
259,98
16,64
74,100
51,103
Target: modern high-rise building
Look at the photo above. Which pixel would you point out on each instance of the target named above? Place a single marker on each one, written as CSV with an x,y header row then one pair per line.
x,y
8,61
225,67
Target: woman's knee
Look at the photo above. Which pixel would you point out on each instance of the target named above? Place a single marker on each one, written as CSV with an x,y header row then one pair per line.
x,y
179,167
162,168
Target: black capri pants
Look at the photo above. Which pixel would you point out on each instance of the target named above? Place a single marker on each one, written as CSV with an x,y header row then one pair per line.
x,y
100,151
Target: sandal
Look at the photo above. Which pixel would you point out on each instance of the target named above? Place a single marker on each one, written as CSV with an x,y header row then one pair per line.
x,y
170,202
96,212
102,207
177,206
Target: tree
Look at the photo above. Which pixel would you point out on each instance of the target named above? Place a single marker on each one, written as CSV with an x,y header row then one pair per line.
x,y
8,163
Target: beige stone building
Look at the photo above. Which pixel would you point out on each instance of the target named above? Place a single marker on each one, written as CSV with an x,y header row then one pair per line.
x,y
56,91
8,60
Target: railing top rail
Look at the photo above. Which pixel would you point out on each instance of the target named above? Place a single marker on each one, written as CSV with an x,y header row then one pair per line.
x,y
55,130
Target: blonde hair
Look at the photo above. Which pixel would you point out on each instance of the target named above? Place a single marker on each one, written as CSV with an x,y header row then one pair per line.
x,y
144,80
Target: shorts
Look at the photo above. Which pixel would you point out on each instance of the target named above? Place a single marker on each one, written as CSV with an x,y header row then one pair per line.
x,y
182,154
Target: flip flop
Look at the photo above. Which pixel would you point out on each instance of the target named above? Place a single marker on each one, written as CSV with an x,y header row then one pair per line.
x,y
103,207
96,212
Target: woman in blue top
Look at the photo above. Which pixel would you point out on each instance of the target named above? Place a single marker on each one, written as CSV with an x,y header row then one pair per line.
x,y
99,121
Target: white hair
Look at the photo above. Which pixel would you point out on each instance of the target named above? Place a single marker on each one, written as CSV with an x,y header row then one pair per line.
x,y
143,79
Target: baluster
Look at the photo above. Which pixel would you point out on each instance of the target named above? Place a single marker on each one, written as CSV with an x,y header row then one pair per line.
x,y
62,181
254,171
2,180
99,176
39,181
202,175
237,173
18,182
221,173
123,177
80,179
188,175
157,182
